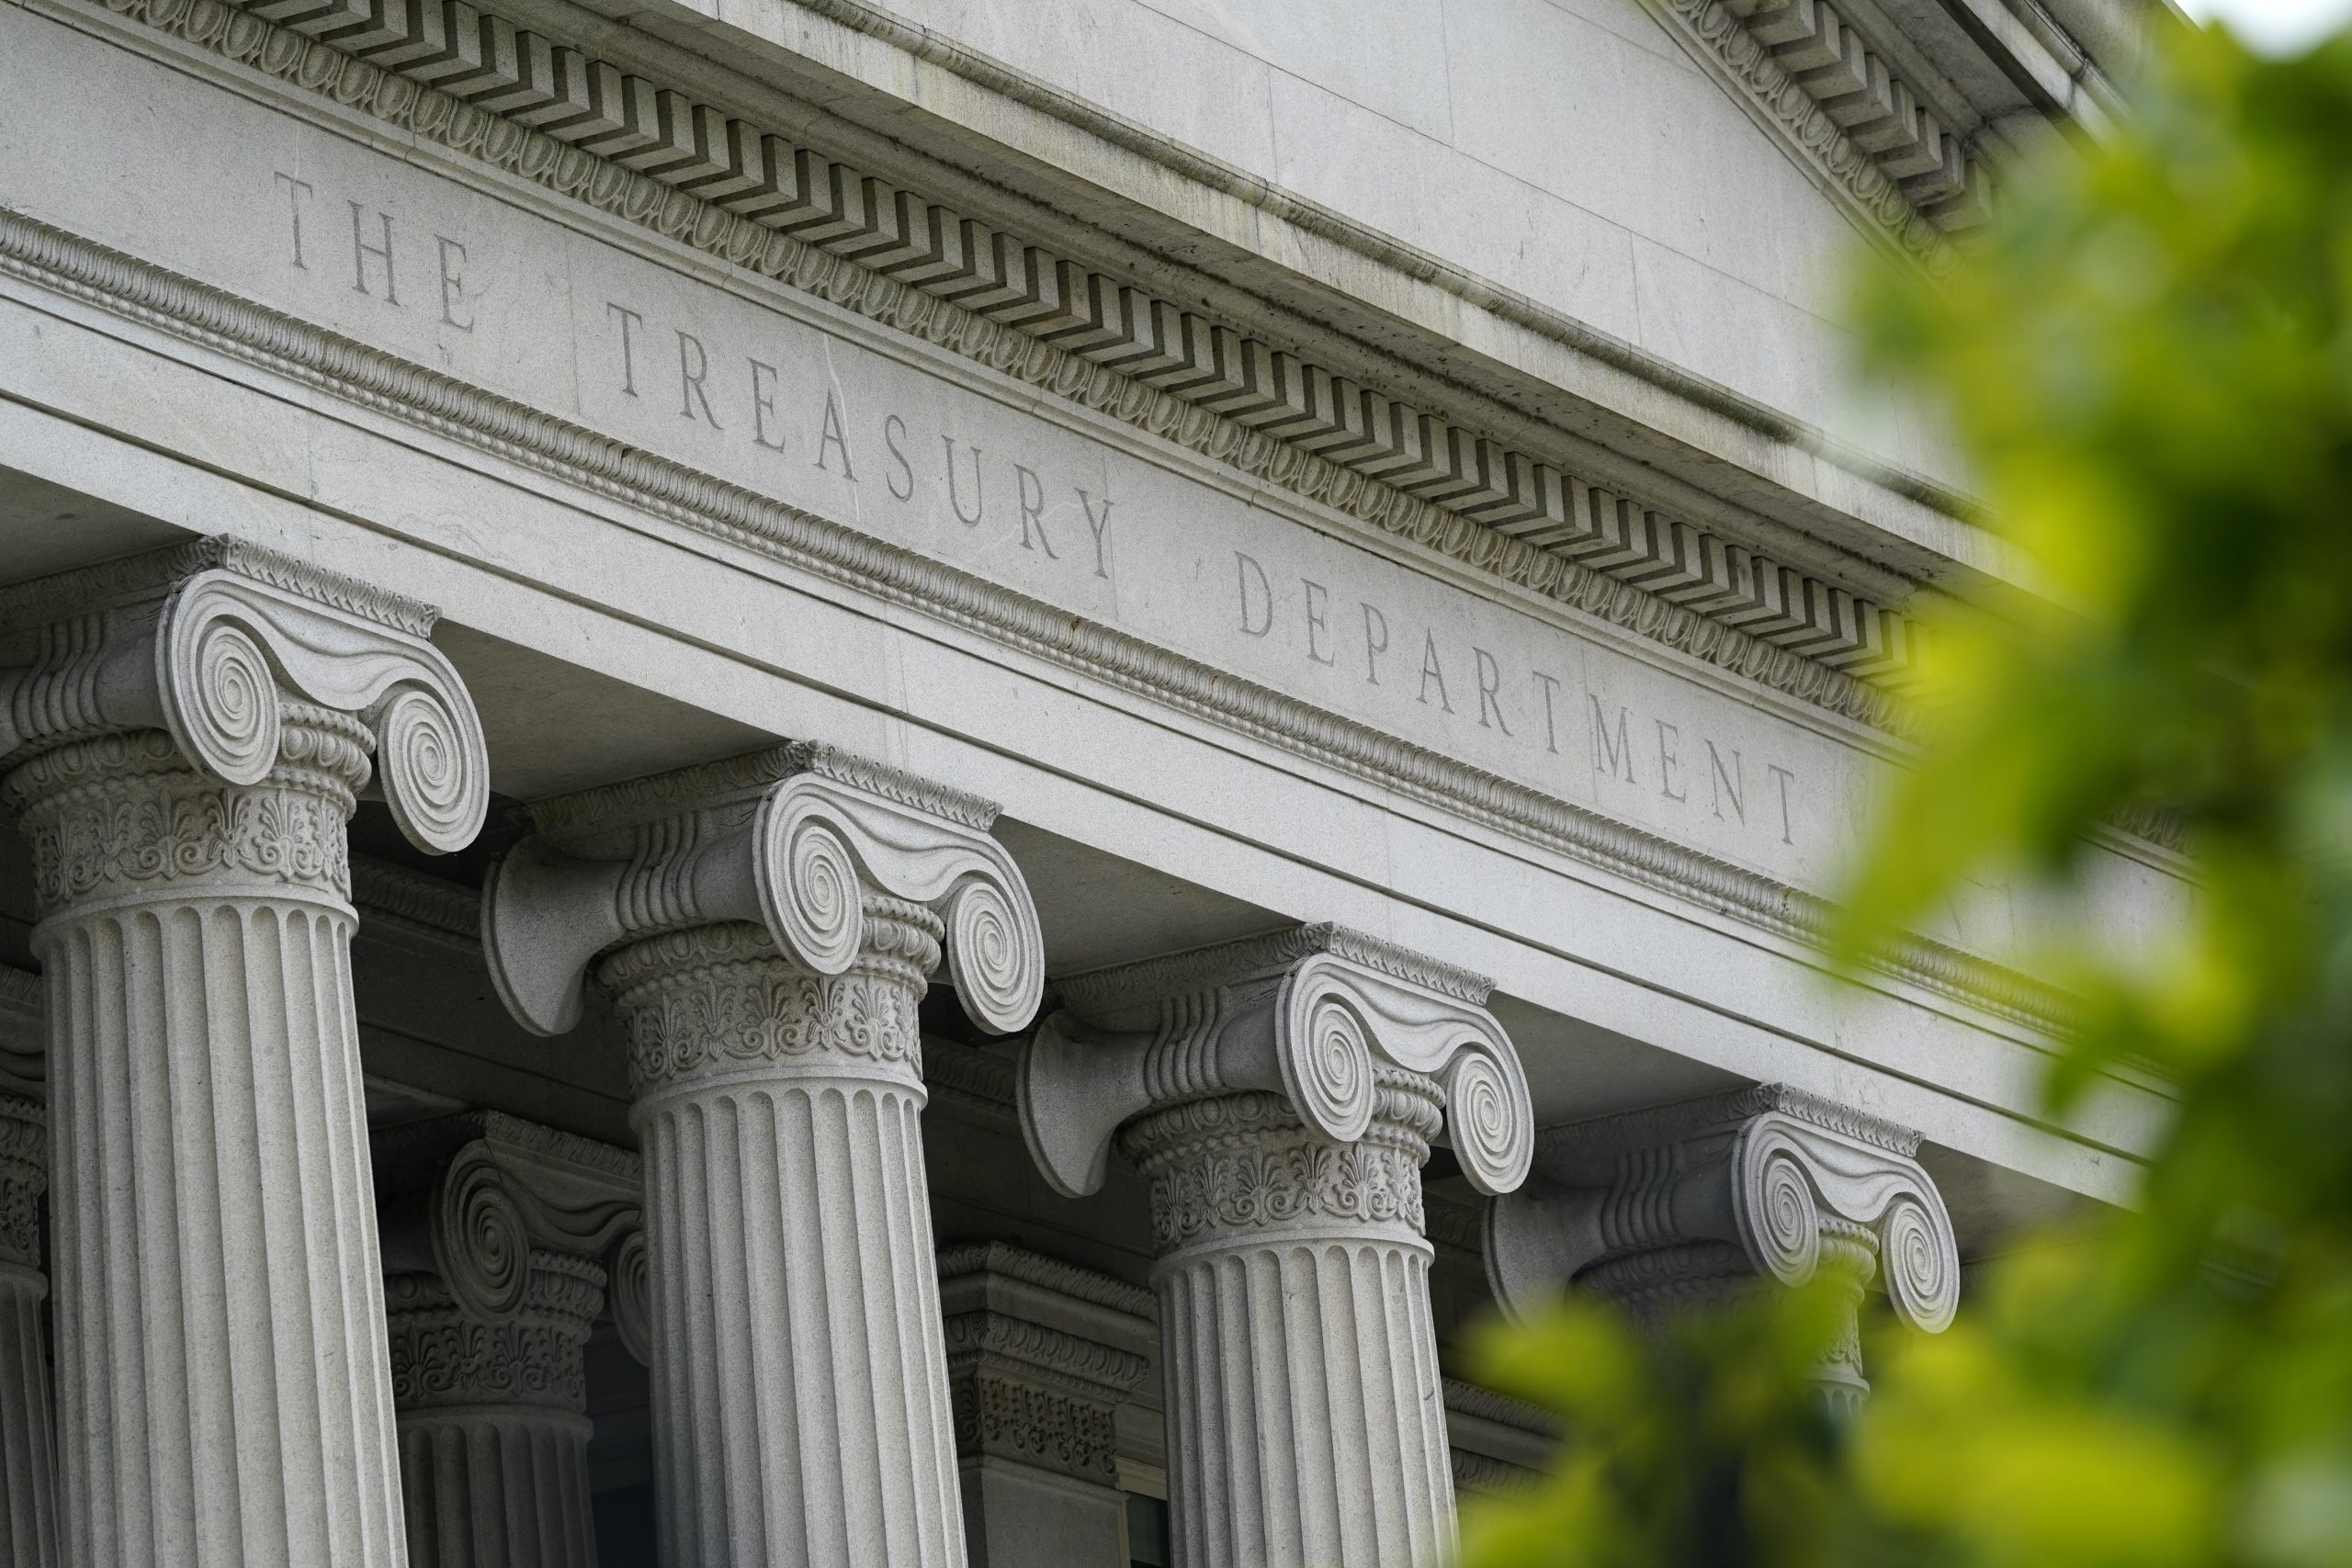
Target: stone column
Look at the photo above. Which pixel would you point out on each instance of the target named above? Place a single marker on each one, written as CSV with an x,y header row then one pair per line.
x,y
767,926
1279,1095
1039,1356
184,735
501,1241
27,1462
1682,1206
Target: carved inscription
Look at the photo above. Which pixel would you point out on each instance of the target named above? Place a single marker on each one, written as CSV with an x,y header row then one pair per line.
x,y
377,261
1544,710
764,400
794,412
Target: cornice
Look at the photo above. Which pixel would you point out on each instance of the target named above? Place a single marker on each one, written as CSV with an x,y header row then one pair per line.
x,y
82,269
1330,227
1859,130
793,214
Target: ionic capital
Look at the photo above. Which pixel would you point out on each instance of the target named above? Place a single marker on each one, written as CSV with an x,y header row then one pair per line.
x,y
245,660
1334,1023
1766,1182
513,1220
800,839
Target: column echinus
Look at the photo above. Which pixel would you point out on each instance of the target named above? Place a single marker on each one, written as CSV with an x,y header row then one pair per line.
x,y
1280,1095
766,927
183,737
1687,1205
503,1242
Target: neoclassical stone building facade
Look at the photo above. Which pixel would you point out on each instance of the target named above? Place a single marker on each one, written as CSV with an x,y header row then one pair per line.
x,y
904,783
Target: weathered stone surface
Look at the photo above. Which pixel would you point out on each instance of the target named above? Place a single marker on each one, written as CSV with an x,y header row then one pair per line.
x,y
766,927
1278,1095
186,737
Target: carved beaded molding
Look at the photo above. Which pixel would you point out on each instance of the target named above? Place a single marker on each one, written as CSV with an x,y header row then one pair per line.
x,y
584,127
1240,1164
78,268
250,667
443,1355
841,860
1769,1181
720,995
1332,1024
1030,1379
494,1220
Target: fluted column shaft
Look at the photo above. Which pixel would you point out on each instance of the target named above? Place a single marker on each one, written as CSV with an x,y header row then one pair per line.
x,y
1307,1421
221,1379
492,1422
800,1376
27,1465
1278,1093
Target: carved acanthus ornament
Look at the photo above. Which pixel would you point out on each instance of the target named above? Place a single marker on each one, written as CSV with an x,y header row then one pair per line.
x,y
1035,1379
503,1241
1315,1028
856,875
1678,1207
1280,1095
184,735
210,711
766,927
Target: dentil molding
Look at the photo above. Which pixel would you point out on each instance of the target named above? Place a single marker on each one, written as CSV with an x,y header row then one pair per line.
x,y
84,270
592,130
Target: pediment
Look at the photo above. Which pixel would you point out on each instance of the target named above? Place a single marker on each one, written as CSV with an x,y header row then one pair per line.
x,y
1905,121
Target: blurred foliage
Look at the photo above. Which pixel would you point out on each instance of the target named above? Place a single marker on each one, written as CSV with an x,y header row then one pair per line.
x,y
2149,362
